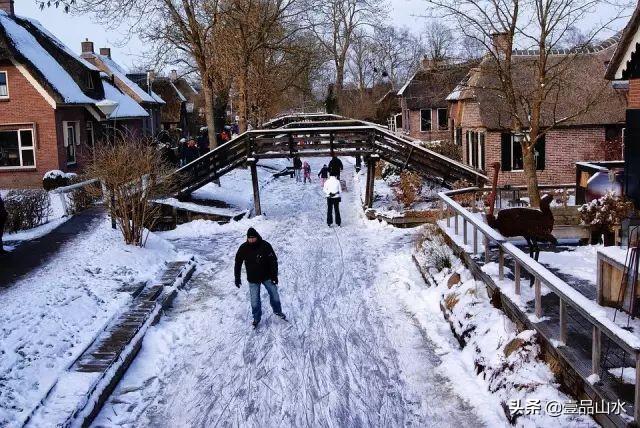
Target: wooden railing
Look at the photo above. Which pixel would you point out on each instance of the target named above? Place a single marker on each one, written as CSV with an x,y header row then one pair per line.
x,y
64,190
568,296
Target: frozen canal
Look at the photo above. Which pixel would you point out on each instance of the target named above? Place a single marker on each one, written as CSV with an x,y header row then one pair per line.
x,y
350,356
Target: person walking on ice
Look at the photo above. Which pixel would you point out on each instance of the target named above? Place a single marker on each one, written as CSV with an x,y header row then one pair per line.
x,y
323,174
335,166
261,265
297,167
332,190
306,168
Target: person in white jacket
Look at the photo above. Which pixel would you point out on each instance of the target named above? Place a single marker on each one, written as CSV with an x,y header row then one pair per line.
x,y
332,190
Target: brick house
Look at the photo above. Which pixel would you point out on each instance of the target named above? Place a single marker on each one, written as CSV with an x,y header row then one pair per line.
x,y
182,102
53,104
484,126
149,100
423,100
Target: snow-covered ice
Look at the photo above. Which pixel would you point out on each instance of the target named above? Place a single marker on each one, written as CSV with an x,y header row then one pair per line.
x,y
360,348
51,315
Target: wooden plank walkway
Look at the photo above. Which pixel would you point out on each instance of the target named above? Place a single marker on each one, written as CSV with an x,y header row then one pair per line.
x,y
570,362
80,392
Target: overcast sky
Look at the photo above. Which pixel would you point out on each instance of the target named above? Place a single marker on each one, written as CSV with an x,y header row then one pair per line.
x,y
73,29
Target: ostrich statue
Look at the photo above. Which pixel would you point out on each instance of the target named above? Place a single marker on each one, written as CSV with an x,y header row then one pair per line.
x,y
534,225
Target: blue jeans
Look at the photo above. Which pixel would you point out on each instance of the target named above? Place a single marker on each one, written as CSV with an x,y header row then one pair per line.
x,y
274,298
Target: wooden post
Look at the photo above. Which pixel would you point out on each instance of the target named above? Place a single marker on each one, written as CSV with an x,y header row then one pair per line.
x,y
464,230
538,291
636,406
448,215
596,351
563,322
475,240
500,263
599,284
517,275
371,172
487,255
256,188
455,219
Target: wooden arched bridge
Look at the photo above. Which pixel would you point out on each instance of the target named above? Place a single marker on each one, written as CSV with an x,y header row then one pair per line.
x,y
320,135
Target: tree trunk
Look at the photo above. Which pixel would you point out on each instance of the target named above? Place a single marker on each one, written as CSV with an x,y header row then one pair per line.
x,y
531,176
209,113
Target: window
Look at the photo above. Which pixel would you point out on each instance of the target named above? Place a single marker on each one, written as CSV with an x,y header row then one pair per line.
x,y
512,158
475,149
89,80
425,120
4,85
443,119
91,138
17,148
71,140
457,136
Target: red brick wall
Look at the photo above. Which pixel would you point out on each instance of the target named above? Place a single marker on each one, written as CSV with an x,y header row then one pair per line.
x,y
633,96
414,127
564,147
26,105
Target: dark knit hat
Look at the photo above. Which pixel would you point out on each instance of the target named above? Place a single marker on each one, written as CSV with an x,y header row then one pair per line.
x,y
252,233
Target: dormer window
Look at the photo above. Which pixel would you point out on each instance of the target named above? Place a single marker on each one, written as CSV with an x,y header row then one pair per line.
x,y
4,85
89,80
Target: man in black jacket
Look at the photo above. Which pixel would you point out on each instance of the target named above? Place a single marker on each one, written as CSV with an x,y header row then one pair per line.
x,y
262,268
335,166
3,219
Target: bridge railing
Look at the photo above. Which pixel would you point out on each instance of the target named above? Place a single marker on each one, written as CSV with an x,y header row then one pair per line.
x,y
473,225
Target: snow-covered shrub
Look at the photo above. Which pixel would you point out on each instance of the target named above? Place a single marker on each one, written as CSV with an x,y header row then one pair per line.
x,y
606,212
134,175
434,251
27,209
83,198
390,172
408,188
56,178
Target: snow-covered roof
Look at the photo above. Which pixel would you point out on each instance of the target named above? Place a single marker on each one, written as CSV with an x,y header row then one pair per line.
x,y
401,91
27,45
180,95
127,106
121,75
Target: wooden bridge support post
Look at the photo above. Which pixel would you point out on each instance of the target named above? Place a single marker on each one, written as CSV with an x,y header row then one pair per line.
x,y
464,231
596,351
256,188
475,240
636,407
563,322
371,176
517,276
500,263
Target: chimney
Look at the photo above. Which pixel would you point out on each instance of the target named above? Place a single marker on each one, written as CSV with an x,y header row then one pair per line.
x,y
7,6
500,42
87,46
173,75
105,52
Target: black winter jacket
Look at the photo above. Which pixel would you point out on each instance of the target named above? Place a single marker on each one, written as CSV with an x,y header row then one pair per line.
x,y
335,166
324,172
297,163
259,259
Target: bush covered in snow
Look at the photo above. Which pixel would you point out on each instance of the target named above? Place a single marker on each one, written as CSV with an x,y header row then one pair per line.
x,y
390,172
606,212
56,178
408,188
433,251
27,209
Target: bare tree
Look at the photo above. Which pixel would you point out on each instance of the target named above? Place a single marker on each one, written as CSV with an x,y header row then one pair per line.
x,y
334,22
440,42
539,26
397,53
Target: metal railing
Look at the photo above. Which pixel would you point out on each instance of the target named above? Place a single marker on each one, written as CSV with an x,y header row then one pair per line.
x,y
567,295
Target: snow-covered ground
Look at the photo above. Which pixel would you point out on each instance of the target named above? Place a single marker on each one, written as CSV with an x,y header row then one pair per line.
x,y
49,317
359,349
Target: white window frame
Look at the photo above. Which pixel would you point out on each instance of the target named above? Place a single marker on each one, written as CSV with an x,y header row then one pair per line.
x,y
65,132
513,143
89,126
446,115
33,149
6,79
430,120
480,154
